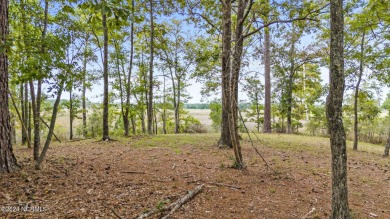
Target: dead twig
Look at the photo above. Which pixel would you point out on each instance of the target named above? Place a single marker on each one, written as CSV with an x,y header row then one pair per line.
x,y
321,174
113,211
134,172
226,185
309,213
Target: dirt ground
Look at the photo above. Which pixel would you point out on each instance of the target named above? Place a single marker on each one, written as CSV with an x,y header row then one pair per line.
x,y
124,178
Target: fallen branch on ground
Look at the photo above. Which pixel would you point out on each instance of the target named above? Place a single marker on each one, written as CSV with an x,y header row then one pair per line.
x,y
309,213
113,211
174,206
134,172
230,186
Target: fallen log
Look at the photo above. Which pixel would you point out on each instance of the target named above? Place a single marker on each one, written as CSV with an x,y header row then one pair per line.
x,y
174,206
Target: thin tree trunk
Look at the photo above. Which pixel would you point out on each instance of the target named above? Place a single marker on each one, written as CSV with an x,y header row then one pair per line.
x,y
387,147
340,207
150,99
124,117
35,121
84,98
51,128
236,66
127,108
7,159
267,78
257,113
355,106
290,82
22,103
177,109
106,136
164,113
26,114
289,104
133,124
20,118
70,114
29,123
225,140
36,99
13,124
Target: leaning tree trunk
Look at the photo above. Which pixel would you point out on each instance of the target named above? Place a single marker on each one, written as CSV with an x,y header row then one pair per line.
x,y
7,159
50,134
387,147
355,108
150,99
106,136
340,208
225,140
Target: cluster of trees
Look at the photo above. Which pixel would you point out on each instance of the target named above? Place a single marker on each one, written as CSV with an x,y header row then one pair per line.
x,y
145,52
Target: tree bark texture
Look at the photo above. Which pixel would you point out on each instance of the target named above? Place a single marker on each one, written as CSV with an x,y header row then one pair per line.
x,y
225,140
7,159
267,83
340,208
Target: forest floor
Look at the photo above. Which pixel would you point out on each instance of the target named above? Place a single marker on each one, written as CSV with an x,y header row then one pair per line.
x,y
124,178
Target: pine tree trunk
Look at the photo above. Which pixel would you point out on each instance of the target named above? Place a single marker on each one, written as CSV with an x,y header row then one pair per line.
x,y
225,140
340,208
150,99
355,107
106,136
7,159
267,78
